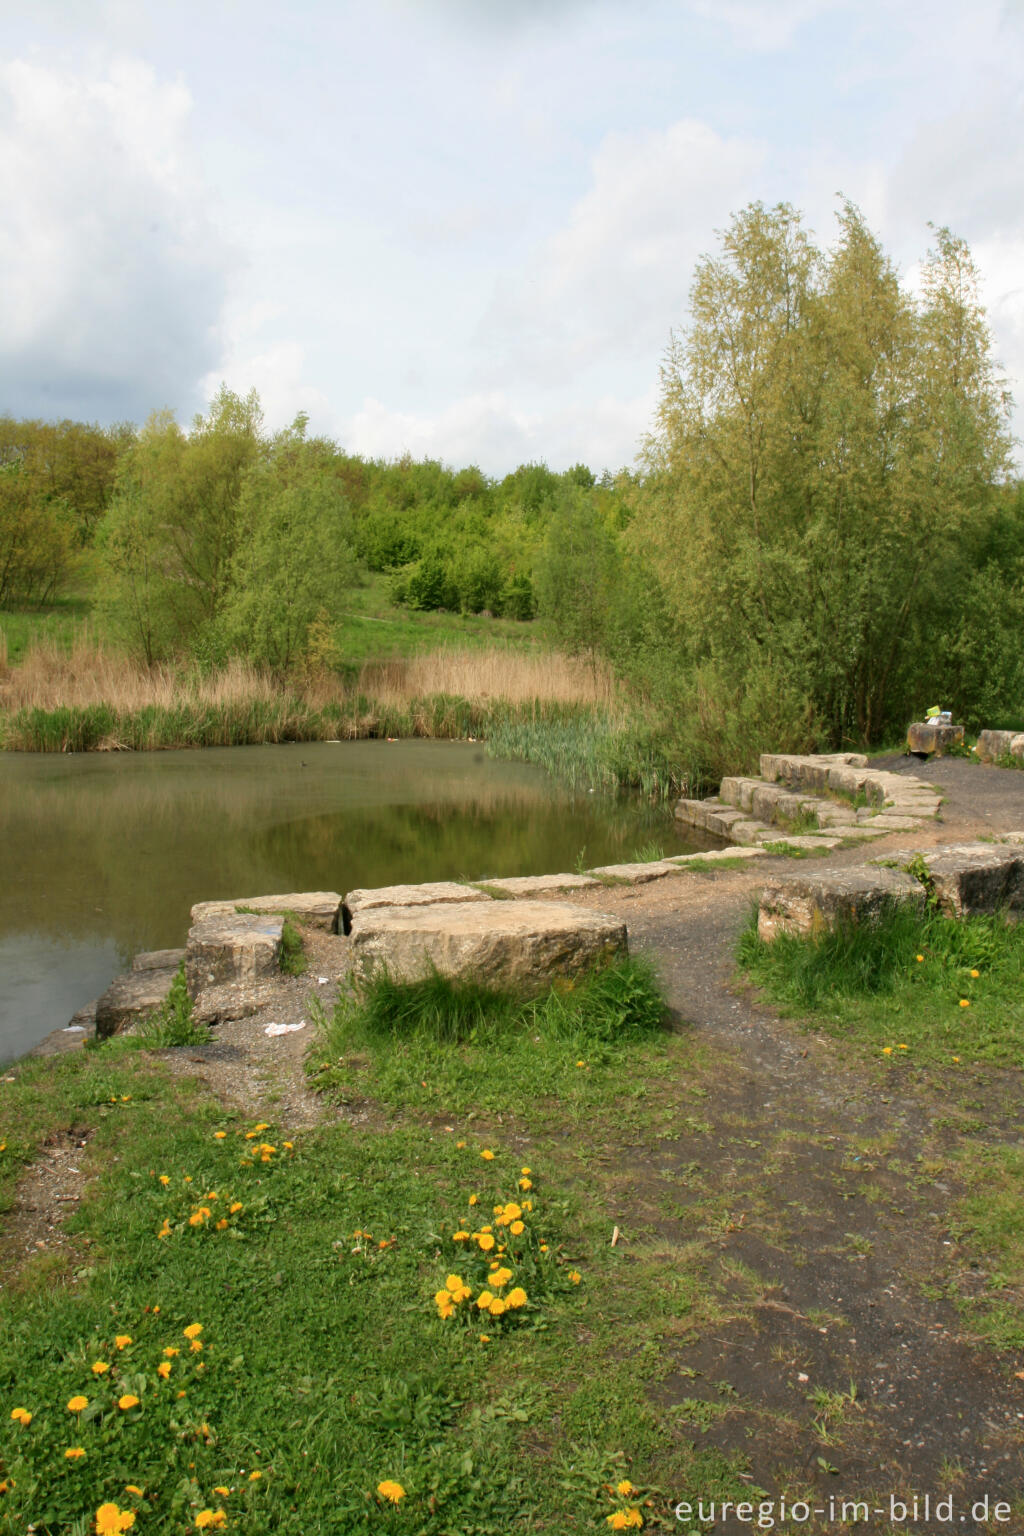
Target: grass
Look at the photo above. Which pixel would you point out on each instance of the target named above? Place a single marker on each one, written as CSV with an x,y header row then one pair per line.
x,y
935,988
467,1046
284,1325
293,955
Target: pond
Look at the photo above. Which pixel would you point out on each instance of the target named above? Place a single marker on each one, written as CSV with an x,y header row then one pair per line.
x,y
104,854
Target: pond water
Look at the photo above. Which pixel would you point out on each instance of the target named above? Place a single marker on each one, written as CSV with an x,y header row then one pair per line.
x,y
103,855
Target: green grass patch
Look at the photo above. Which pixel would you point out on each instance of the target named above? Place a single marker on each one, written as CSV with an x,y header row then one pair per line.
x,y
278,1327
292,961
459,1045
173,1024
990,1223
936,988
53,623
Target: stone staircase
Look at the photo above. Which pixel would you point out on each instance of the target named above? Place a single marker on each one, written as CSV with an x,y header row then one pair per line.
x,y
813,803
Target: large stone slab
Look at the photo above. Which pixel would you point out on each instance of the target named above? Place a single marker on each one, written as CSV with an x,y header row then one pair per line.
x,y
158,960
970,878
536,885
928,738
232,948
431,893
523,945
317,908
131,998
715,856
808,905
635,873
993,744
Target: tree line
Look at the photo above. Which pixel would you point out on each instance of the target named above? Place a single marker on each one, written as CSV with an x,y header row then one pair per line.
x,y
823,534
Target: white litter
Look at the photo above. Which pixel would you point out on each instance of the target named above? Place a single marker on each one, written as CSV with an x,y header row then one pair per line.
x,y
74,1029
322,981
284,1029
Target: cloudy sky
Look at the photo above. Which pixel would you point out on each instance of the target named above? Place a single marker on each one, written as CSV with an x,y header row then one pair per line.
x,y
462,228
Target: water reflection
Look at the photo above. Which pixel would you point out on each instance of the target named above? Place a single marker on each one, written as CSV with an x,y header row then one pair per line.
x,y
104,855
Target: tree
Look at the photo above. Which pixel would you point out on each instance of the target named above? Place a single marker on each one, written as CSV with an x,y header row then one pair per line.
x,y
826,450
293,555
576,572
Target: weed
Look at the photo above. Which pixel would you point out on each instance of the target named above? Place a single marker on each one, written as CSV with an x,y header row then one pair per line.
x,y
173,1023
293,955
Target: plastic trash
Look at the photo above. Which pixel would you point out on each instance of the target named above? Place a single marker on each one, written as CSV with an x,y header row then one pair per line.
x,y
284,1029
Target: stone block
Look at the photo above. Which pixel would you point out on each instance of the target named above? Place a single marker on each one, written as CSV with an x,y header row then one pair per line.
x,y
801,842
747,832
738,792
970,878
808,904
927,738
317,908
131,998
693,812
431,894
635,874
158,960
521,945
993,744
230,949
538,885
716,856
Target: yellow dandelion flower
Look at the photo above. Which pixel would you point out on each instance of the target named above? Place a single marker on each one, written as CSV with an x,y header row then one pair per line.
x,y
100,1367
133,1488
516,1298
886,1050
21,1416
975,974
188,1178
543,1247
499,1278
165,1230
459,1145
445,1308
517,1228
263,1126
219,1135
210,1519
903,1047
485,1338
625,1488
193,1330
255,1475
196,1345
512,1212
457,1287
484,1300
224,1492
497,1306
198,1217
487,1155
581,1063
956,1058
164,1179
235,1207
129,1400
575,1276
122,1340
222,1224
172,1350
73,1452
77,1403
485,1241
164,1369
392,1491
473,1199
527,1205
289,1144
110,1520
525,1183
919,958
965,1002
460,1236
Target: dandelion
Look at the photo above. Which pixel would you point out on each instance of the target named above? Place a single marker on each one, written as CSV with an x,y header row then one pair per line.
x,y
903,1047
222,1224
499,1278
100,1367
484,1300
965,1002
886,1050
122,1340
543,1247
517,1228
129,1400
210,1519
487,1155
919,958
110,1520
497,1306
171,1351
73,1452
457,1288
485,1338
575,1276
196,1345
165,1230
459,1145
255,1475
581,1063
624,1519
234,1208
163,1370
193,1330
219,1135
525,1183
133,1488
394,1492
224,1492
77,1403
516,1298
164,1180
460,1236
484,1241
625,1488
975,974
956,1058
21,1416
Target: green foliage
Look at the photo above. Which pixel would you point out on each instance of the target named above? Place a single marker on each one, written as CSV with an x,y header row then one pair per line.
x,y
826,463
38,538
577,573
173,1023
904,980
293,953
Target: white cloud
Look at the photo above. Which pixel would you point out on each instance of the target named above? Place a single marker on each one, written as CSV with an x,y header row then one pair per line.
x,y
611,283
496,432
763,25
113,272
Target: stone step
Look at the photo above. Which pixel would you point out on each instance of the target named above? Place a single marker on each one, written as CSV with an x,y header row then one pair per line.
x,y
319,909
231,948
810,904
993,744
525,945
131,998
967,879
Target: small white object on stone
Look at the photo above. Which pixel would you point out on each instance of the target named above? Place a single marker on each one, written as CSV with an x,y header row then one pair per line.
x,y
284,1029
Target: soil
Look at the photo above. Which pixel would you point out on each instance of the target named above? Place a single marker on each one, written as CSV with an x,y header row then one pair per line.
x,y
820,1193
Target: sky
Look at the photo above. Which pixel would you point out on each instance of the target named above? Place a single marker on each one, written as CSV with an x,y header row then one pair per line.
x,y
462,229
